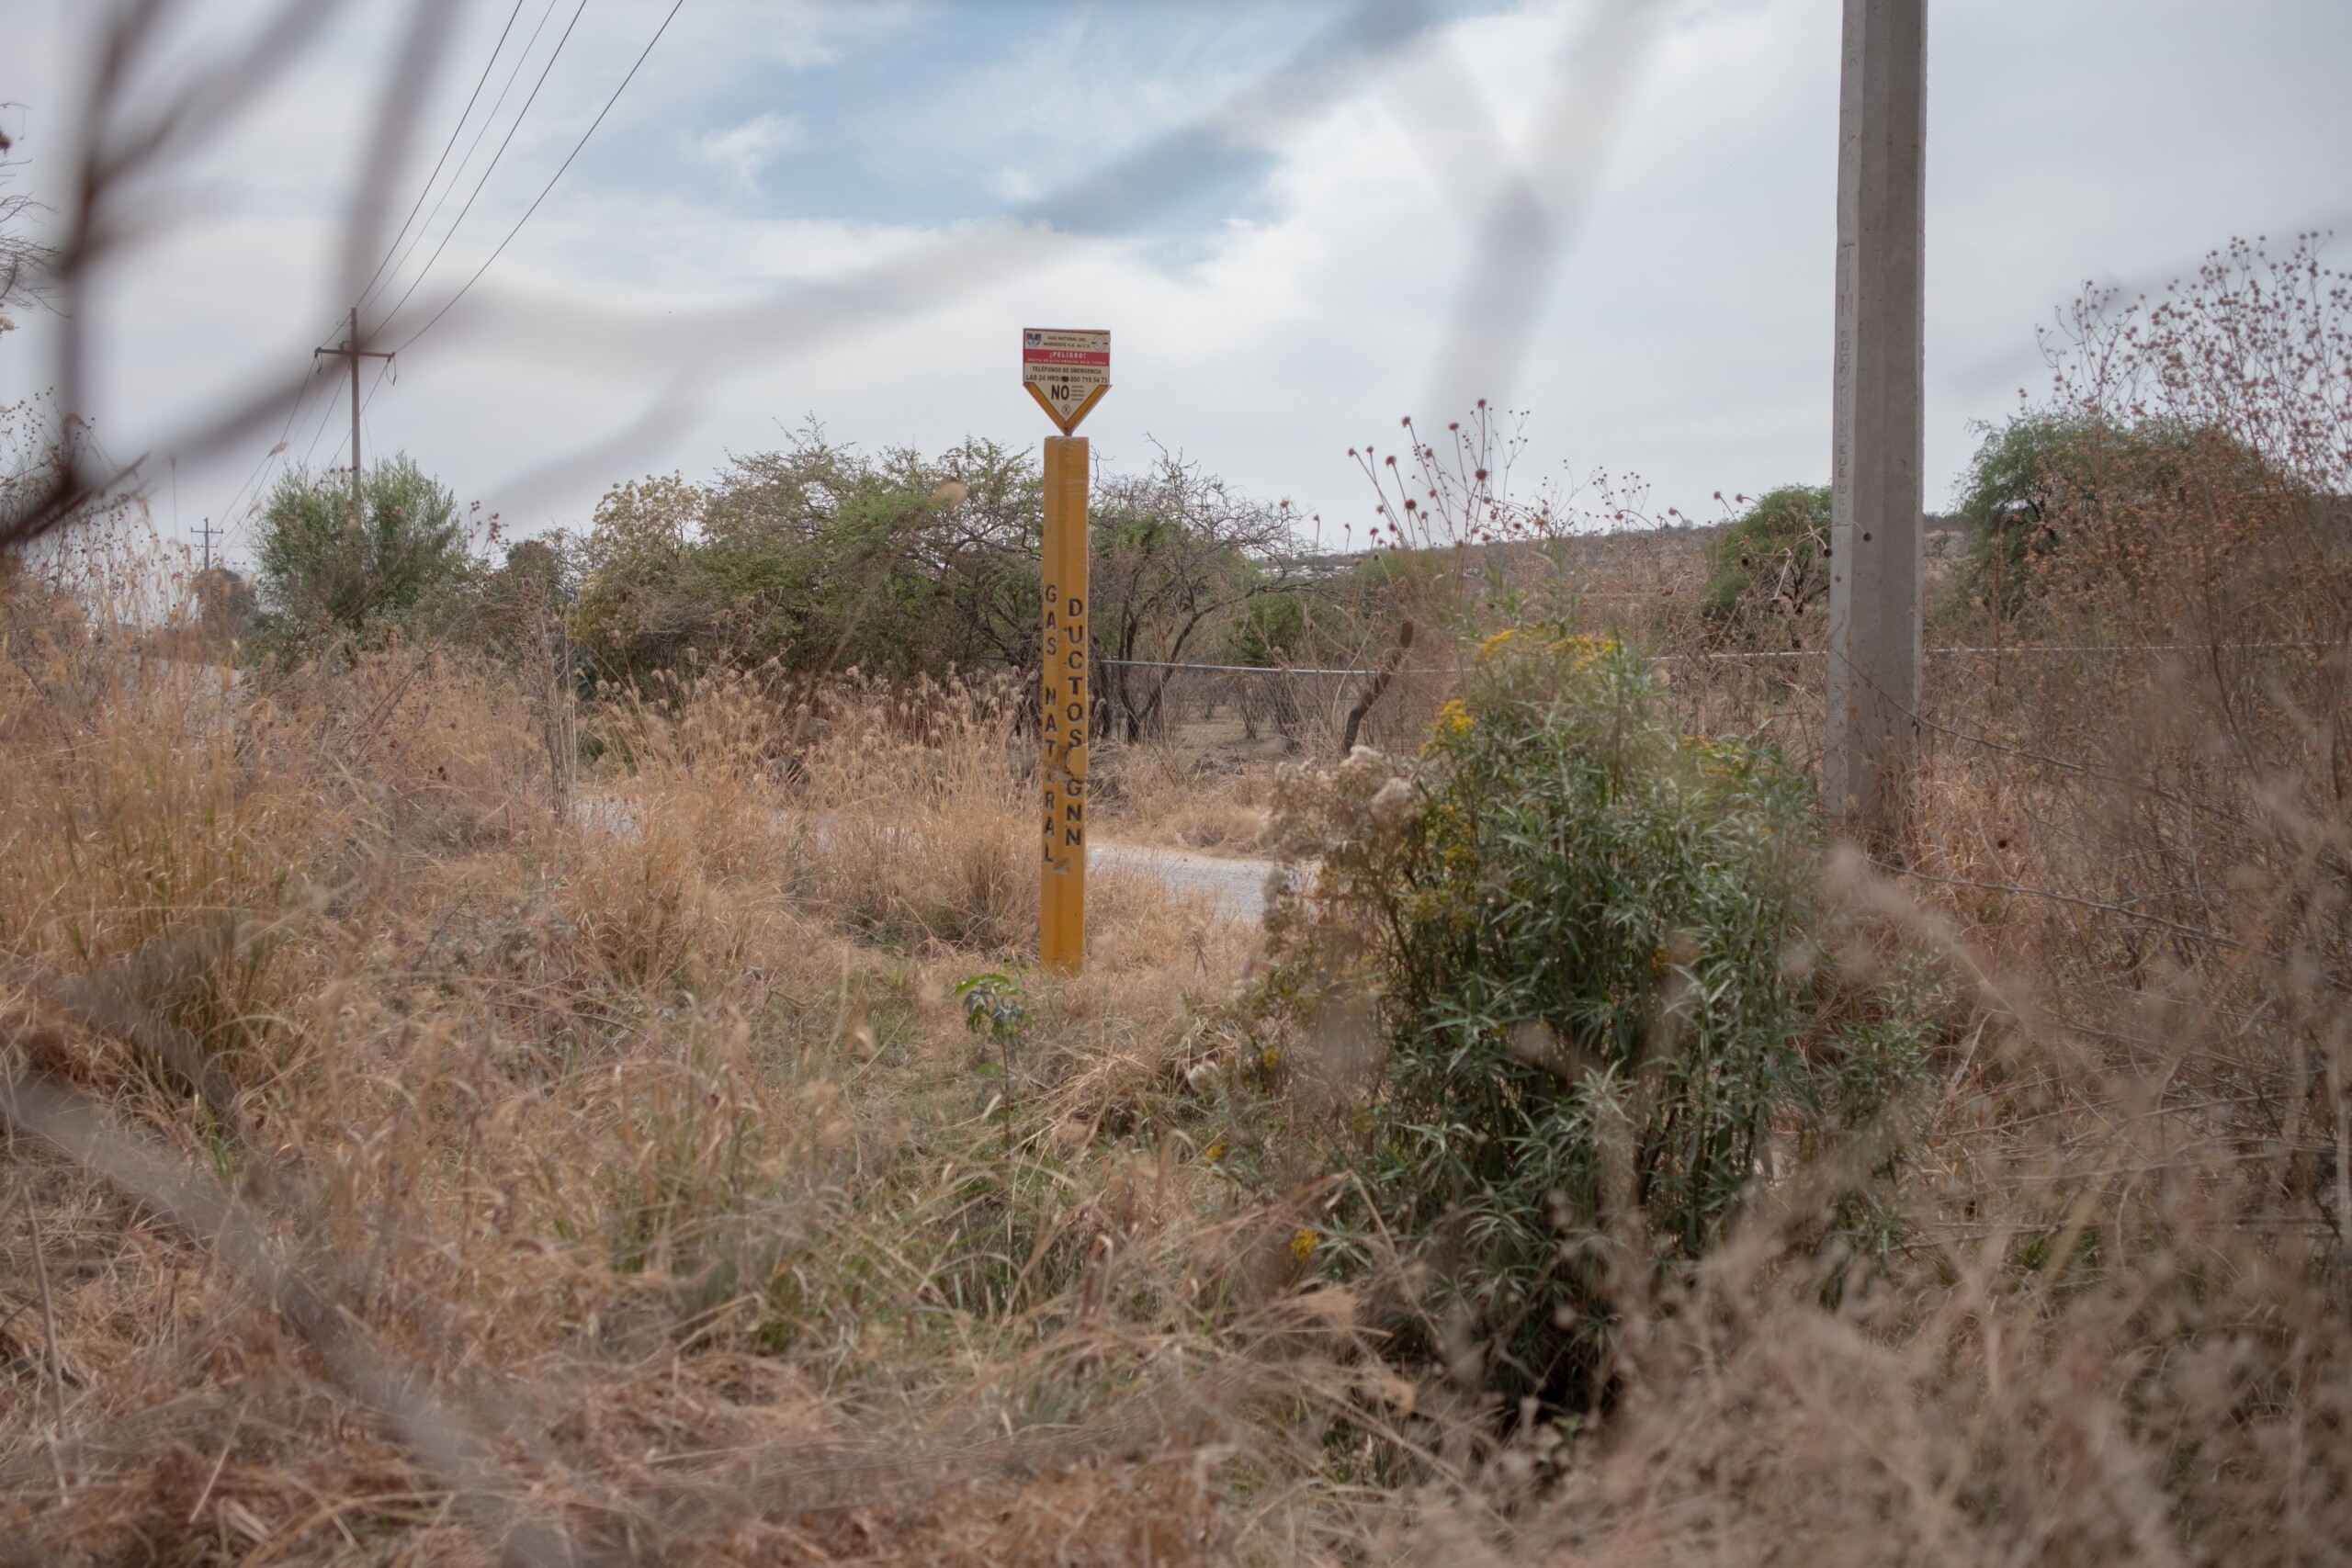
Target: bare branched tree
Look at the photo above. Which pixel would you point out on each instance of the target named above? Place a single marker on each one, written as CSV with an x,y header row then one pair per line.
x,y
1174,550
25,262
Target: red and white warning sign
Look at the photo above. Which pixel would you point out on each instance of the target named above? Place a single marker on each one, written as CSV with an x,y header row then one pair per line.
x,y
1067,371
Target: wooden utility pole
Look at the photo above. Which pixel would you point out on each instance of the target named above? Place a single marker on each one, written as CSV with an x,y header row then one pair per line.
x,y
206,532
1879,427
351,348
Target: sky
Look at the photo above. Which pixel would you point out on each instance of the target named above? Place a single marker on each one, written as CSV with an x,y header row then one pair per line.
x,y
843,213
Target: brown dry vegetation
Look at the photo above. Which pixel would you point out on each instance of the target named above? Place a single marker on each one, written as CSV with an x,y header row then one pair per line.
x,y
640,1162
400,1171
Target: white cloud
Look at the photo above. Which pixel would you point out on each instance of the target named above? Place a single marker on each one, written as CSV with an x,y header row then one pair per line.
x,y
1016,186
745,149
1686,334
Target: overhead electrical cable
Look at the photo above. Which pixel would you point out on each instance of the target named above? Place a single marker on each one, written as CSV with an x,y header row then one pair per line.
x,y
505,90
368,287
326,414
252,481
666,21
507,140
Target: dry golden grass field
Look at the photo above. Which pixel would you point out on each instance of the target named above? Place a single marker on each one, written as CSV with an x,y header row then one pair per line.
x,y
405,1171
453,1119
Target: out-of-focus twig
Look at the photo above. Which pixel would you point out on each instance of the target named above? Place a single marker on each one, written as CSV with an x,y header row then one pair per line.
x,y
459,1457
105,1002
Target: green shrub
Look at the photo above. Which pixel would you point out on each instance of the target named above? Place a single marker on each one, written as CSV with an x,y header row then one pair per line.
x,y
1772,558
2091,507
1590,942
327,574
2022,473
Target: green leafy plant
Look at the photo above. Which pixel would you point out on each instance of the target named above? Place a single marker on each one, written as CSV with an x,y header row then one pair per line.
x,y
327,573
2022,473
1581,932
994,1009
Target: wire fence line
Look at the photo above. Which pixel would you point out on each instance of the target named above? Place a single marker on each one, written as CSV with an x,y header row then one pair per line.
x,y
1730,656
1306,708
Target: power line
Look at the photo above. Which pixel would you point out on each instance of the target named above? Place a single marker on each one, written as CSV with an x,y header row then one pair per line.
x,y
276,449
253,481
522,58
427,189
326,413
354,346
676,6
520,115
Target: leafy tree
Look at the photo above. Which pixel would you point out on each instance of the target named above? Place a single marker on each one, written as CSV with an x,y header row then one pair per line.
x,y
629,614
1773,559
2042,486
324,573
1272,630
2022,472
226,609
820,557
522,603
894,564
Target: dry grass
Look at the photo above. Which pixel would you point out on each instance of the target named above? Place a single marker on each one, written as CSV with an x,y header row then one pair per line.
x,y
629,1184
400,1172
1202,790
652,1150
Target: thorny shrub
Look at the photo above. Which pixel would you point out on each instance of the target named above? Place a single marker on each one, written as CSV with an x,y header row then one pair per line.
x,y
1769,567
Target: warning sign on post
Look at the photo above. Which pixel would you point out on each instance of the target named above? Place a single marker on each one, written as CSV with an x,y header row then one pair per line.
x,y
1067,371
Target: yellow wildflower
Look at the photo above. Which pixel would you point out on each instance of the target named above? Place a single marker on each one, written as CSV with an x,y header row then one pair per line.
x,y
1584,650
1303,1243
1487,648
1454,719
1214,1152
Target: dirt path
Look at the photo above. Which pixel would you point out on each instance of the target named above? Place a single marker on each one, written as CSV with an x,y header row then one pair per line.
x,y
1235,888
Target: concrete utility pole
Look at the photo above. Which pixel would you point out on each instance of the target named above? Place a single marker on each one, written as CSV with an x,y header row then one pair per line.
x,y
351,348
1879,429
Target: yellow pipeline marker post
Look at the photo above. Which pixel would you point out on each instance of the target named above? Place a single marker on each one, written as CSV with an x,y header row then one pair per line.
x,y
1066,372
1062,909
